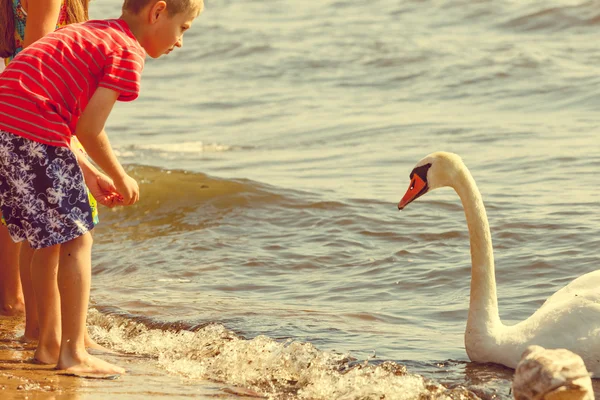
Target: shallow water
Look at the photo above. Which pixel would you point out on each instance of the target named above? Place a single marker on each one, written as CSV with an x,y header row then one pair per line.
x,y
272,151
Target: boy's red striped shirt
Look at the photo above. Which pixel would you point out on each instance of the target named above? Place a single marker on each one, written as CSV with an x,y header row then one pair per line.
x,y
44,90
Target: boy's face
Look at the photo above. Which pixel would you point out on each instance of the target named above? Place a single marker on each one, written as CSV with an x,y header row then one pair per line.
x,y
167,32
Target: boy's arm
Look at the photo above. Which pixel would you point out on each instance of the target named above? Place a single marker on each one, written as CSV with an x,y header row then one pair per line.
x,y
41,19
99,185
88,169
90,132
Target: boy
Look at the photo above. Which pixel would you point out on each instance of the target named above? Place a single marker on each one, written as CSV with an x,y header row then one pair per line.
x,y
66,84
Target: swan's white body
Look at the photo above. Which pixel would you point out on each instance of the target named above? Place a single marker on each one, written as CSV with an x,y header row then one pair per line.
x,y
568,319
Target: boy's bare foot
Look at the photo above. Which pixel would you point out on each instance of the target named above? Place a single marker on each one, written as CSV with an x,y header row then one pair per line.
x,y
90,344
90,366
46,355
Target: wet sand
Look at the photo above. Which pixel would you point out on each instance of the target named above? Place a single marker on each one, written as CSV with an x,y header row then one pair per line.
x,y
22,379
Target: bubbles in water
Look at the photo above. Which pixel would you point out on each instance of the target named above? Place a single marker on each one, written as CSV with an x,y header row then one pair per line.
x,y
278,370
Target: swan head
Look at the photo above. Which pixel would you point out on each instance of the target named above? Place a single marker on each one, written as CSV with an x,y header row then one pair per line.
x,y
434,171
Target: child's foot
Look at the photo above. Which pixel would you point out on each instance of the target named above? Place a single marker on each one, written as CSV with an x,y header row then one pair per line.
x,y
92,345
90,366
44,355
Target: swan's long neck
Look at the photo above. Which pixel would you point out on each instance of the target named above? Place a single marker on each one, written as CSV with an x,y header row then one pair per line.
x,y
483,308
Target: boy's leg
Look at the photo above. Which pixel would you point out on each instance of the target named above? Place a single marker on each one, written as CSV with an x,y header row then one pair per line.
x,y
11,296
32,327
74,276
62,216
44,267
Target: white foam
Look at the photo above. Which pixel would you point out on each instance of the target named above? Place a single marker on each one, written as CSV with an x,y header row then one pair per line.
x,y
185,147
272,368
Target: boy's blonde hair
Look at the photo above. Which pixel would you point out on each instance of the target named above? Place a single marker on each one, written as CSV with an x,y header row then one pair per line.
x,y
173,6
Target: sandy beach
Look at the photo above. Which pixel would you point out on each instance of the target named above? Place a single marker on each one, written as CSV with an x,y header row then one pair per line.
x,y
21,379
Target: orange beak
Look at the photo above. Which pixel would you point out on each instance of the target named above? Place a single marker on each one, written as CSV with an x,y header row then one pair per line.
x,y
416,189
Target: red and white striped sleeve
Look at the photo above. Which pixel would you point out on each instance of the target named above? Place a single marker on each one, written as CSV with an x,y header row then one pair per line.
x,y
123,72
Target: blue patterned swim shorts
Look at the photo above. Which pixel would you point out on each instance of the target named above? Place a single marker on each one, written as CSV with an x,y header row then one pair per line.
x,y
42,192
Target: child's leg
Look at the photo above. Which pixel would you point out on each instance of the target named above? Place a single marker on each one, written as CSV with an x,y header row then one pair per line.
x,y
89,342
74,276
46,288
32,327
11,296
44,267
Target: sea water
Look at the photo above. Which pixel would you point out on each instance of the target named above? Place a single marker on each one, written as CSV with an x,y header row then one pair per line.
x,y
267,251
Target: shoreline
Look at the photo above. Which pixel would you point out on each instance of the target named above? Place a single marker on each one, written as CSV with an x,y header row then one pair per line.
x,y
22,379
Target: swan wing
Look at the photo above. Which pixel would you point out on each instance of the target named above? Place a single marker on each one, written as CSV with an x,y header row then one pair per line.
x,y
569,319
586,286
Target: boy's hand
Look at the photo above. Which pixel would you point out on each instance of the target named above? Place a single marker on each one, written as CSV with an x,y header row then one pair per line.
x,y
103,190
129,190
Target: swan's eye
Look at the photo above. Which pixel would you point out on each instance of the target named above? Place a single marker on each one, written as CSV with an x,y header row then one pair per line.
x,y
411,187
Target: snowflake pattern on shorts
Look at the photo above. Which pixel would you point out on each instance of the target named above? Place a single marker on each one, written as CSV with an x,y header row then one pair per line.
x,y
42,193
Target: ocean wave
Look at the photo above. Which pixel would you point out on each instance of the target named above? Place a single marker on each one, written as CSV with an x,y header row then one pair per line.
x,y
275,369
179,200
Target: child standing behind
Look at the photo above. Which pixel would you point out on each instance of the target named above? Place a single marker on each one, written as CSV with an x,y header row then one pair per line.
x,y
66,84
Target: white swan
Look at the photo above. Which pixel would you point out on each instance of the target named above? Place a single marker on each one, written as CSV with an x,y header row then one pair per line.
x,y
568,319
